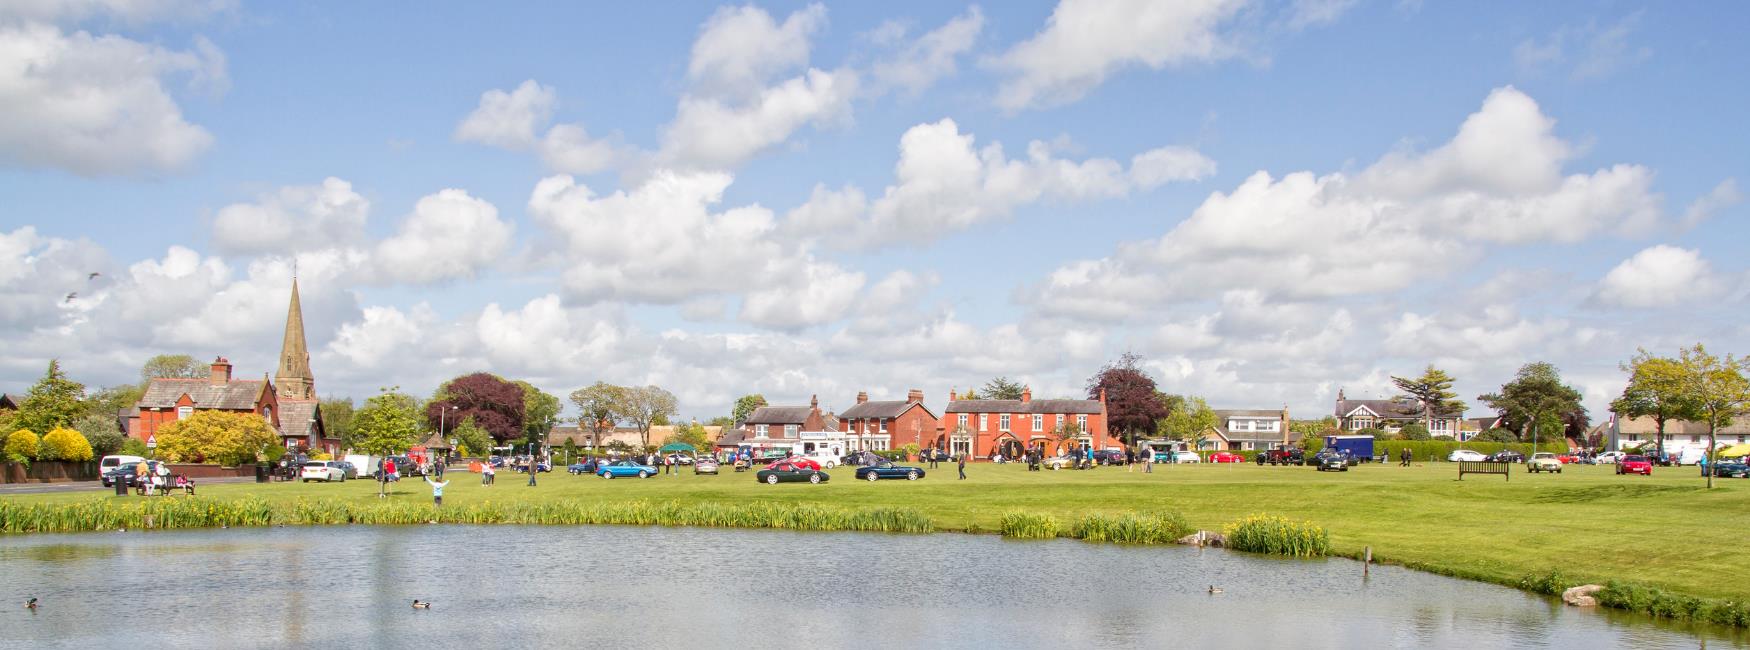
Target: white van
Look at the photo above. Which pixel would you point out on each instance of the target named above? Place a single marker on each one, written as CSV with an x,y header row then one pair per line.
x,y
827,454
112,462
1690,455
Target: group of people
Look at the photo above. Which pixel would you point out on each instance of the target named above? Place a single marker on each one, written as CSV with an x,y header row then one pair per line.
x,y
148,481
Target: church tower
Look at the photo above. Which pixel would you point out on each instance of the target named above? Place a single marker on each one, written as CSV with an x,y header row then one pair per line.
x,y
294,380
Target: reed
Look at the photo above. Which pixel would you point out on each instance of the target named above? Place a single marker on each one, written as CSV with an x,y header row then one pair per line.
x,y
1133,528
1023,525
1277,536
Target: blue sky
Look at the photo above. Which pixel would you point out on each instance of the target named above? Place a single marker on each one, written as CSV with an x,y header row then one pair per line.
x,y
798,199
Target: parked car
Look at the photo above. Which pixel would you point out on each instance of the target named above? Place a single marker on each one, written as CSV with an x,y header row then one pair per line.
x,y
496,461
1732,469
125,474
404,466
542,466
1186,457
1544,461
804,462
886,469
113,462
625,467
1568,458
352,471
1610,457
1635,464
1508,456
785,471
1280,456
860,458
1466,455
1109,456
1331,460
585,466
1226,457
705,465
322,470
1058,462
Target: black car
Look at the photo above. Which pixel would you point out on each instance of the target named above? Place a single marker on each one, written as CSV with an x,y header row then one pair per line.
x,y
1109,457
886,469
1507,456
404,467
1330,460
1732,470
860,459
125,474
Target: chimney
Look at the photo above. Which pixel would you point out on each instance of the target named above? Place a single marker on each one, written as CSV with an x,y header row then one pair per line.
x,y
221,371
1026,394
914,396
814,404
862,396
951,394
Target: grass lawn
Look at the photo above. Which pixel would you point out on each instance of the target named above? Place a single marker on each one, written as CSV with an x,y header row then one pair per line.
x,y
1665,531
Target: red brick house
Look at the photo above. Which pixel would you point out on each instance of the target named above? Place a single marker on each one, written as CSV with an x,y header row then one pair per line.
x,y
890,424
169,400
983,427
781,427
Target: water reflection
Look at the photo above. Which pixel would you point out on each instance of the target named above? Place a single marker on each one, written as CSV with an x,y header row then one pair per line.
x,y
507,586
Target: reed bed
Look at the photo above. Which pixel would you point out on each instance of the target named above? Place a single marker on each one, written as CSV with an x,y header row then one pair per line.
x,y
196,512
1024,525
1277,536
1131,528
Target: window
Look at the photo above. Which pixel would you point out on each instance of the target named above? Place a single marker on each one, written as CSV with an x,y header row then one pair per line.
x,y
1038,423
267,413
983,421
884,426
1082,422
760,430
183,412
963,419
1695,438
790,430
1634,437
1003,422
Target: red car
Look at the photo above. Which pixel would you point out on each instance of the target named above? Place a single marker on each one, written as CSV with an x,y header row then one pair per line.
x,y
803,463
1568,459
1226,457
1635,465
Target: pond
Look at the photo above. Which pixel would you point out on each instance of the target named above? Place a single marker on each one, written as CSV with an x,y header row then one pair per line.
x,y
597,586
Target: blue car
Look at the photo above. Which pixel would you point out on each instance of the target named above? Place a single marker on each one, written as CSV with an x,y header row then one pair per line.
x,y
886,469
583,467
625,468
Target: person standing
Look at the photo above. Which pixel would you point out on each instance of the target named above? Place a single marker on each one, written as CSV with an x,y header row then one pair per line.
x,y
487,474
1129,458
1148,460
962,462
1404,457
437,491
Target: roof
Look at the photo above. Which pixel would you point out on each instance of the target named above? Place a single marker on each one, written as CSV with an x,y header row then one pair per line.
x,y
1083,406
883,409
234,395
7,402
779,415
1385,408
1646,426
296,416
731,437
1274,414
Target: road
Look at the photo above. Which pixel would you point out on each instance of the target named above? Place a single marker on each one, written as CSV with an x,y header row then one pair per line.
x,y
94,487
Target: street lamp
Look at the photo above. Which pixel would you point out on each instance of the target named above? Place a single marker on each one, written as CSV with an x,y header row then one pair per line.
x,y
441,431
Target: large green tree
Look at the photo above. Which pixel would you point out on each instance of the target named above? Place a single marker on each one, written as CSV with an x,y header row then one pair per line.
x,y
475,439
388,424
1719,392
540,412
337,415
1002,388
113,399
691,433
54,401
745,405
642,406
1188,418
173,366
1658,389
225,437
1431,394
1535,394
598,409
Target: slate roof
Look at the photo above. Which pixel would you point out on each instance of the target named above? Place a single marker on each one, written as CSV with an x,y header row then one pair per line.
x,y
779,415
295,416
234,395
7,402
1248,413
883,409
1385,408
1222,416
731,437
1646,427
1073,406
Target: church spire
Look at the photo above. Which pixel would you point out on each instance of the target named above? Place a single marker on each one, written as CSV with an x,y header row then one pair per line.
x,y
294,379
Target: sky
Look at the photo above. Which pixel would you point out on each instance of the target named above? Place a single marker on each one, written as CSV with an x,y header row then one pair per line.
x,y
1267,201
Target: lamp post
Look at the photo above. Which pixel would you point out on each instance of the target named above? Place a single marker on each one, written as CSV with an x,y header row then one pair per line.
x,y
442,431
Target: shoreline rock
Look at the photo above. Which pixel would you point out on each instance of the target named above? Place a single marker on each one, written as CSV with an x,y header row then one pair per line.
x,y
1582,596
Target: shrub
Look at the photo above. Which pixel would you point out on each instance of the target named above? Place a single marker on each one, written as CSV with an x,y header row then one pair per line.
x,y
132,447
65,444
101,431
1414,431
216,436
21,446
1278,536
1548,584
891,454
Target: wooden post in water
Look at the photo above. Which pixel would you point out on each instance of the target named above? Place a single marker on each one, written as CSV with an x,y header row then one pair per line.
x,y
1366,560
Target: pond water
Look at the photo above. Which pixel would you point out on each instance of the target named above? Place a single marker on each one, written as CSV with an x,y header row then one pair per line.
x,y
602,586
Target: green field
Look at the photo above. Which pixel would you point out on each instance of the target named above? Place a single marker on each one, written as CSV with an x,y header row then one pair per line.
x,y
1665,531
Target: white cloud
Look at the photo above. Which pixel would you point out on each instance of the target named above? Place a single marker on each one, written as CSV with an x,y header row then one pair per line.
x,y
1724,195
741,48
1594,51
513,120
1086,41
294,218
920,63
712,133
1408,217
449,236
1157,167
1660,276
382,334
128,11
97,105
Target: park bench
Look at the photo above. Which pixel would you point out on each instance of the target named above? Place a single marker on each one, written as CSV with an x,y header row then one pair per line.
x,y
1484,467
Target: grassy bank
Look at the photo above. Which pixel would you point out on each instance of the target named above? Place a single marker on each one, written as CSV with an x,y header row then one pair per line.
x,y
1663,534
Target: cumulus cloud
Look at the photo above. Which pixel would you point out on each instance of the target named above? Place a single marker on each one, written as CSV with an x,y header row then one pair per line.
x,y
1498,181
1660,276
98,105
514,120
294,218
741,48
1085,41
449,236
917,64
713,133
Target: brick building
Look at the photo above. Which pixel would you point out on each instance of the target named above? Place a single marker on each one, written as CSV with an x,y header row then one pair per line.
x,y
890,424
983,427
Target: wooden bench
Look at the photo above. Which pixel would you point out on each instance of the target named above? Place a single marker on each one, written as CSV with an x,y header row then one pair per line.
x,y
1484,467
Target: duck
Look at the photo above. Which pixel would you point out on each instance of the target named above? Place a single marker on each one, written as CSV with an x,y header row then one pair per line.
x,y
420,604
1214,589
30,604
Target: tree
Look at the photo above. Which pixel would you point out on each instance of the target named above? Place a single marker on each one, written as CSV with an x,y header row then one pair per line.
x,y
1431,393
722,421
1497,434
1131,403
337,414
470,435
495,404
388,424
54,401
570,449
112,400
1657,389
1312,427
598,407
1414,431
1188,419
745,405
225,437
173,366
540,412
22,446
101,431
1536,391
65,444
1719,392
641,406
690,434
1002,388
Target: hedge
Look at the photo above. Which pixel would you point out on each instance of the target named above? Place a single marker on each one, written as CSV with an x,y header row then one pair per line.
x,y
1437,450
